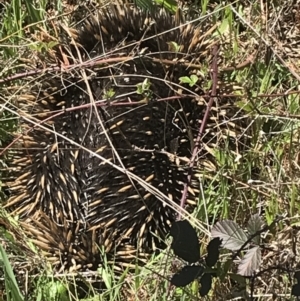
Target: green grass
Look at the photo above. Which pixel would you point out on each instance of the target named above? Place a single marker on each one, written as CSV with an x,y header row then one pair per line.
x,y
11,285
264,178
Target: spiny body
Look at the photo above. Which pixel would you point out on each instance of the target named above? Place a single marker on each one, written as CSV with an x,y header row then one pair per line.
x,y
151,129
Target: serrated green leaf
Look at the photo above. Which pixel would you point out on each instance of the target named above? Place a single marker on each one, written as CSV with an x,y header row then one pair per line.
x,y
250,262
255,224
232,235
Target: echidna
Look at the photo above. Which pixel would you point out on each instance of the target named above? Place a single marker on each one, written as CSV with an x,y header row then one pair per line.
x,y
145,122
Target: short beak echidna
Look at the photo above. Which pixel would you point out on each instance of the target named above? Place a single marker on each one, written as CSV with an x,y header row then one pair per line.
x,y
126,103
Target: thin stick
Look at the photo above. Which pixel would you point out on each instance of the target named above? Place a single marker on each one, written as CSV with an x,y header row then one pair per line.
x,y
214,76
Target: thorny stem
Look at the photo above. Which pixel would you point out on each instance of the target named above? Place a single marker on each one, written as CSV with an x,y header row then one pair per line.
x,y
103,63
214,76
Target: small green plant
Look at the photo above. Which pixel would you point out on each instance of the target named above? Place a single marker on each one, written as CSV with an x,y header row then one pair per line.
x,y
108,94
51,289
192,80
245,244
173,46
144,90
40,46
186,246
234,238
143,87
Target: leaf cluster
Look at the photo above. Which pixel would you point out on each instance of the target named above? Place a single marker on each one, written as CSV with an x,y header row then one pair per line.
x,y
244,243
234,238
186,246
